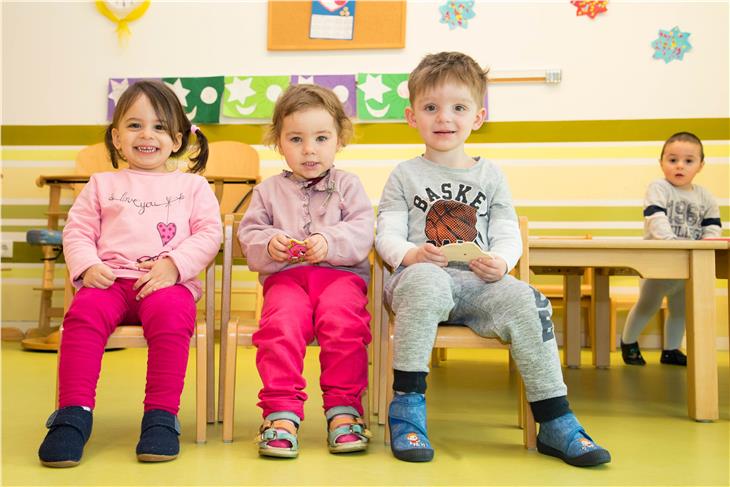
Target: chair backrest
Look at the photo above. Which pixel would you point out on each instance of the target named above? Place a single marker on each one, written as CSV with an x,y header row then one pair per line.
x,y
230,158
90,160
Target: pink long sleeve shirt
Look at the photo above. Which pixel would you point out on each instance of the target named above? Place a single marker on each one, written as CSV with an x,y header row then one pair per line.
x,y
127,217
337,208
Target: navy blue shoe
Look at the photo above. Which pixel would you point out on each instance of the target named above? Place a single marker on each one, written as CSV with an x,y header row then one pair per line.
x,y
69,429
158,441
566,439
407,420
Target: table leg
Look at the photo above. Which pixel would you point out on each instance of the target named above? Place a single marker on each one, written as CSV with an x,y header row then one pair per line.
x,y
571,321
600,314
702,394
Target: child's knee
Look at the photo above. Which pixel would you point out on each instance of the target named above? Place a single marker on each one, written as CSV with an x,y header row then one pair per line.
x,y
424,286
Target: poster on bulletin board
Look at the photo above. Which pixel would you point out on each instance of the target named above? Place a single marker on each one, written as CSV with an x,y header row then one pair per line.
x,y
297,25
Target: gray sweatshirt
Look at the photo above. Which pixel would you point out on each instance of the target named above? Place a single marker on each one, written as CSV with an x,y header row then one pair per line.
x,y
425,202
671,213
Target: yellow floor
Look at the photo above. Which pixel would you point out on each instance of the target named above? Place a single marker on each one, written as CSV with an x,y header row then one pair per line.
x,y
639,414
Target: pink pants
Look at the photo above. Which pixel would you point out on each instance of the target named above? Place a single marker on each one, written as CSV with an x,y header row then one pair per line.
x,y
302,304
168,320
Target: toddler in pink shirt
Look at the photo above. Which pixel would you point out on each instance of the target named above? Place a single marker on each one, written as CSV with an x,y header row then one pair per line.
x,y
134,242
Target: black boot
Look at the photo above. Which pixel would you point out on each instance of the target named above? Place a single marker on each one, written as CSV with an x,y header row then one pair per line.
x,y
673,357
631,354
69,430
158,441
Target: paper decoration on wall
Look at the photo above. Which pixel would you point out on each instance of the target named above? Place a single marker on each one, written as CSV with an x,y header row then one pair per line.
x,y
342,84
252,96
457,13
332,19
200,97
591,8
381,96
116,87
122,12
671,44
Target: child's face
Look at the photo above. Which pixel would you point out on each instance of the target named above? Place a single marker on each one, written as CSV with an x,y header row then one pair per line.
x,y
309,142
681,162
445,116
143,139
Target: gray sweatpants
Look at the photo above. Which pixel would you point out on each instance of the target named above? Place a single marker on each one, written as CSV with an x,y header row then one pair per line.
x,y
651,294
423,295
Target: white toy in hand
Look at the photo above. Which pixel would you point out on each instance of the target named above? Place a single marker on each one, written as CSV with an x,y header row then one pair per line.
x,y
464,252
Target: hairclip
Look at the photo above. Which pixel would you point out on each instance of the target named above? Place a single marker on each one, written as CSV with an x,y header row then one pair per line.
x,y
193,128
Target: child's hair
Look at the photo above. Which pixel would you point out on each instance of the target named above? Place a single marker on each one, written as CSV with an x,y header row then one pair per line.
x,y
684,137
436,69
171,115
298,98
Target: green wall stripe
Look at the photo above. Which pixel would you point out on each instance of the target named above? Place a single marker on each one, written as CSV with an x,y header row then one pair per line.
x,y
401,133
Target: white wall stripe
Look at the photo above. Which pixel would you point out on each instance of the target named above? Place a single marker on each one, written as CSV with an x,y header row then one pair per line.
x,y
26,164
612,162
654,144
13,236
582,203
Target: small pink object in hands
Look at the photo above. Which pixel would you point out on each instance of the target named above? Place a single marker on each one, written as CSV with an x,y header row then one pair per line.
x,y
297,249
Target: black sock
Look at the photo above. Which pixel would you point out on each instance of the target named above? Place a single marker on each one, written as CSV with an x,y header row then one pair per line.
x,y
549,409
409,381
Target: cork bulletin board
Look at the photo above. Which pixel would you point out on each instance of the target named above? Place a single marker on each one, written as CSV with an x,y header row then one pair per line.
x,y
379,24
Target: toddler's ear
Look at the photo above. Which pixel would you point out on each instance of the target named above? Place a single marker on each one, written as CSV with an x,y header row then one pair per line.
x,y
410,117
480,118
177,142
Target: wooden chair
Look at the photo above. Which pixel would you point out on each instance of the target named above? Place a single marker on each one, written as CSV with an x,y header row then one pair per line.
x,y
131,336
229,158
234,333
448,336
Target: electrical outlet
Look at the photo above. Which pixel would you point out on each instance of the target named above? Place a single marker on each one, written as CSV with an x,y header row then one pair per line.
x,y
6,249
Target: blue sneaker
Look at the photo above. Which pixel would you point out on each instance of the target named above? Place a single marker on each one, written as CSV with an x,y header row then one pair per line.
x,y
407,421
566,439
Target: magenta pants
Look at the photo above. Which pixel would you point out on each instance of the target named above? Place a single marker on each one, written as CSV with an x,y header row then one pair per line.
x,y
301,305
167,317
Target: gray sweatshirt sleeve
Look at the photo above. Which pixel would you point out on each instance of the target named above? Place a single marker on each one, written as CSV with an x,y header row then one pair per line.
x,y
391,239
656,221
504,229
711,224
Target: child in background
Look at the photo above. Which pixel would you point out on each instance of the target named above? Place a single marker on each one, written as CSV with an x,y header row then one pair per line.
x,y
446,196
674,209
134,242
308,233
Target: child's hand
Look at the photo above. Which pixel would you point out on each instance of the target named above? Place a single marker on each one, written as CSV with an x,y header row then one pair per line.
x,y
162,273
279,247
425,253
489,270
99,276
316,249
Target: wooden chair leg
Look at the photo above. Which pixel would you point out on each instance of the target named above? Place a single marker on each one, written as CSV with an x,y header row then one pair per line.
x,y
201,383
435,357
529,431
229,386
387,393
613,311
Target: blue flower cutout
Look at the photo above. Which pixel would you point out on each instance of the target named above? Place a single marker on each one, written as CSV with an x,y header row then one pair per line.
x,y
457,13
671,44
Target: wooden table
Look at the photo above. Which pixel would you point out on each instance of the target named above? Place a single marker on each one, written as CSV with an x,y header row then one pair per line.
x,y
55,184
655,259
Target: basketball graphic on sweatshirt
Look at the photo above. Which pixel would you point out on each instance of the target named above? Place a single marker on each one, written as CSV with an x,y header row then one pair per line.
x,y
449,221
